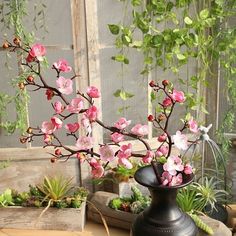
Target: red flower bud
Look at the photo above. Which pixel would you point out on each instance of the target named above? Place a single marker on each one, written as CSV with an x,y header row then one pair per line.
x,y
165,82
152,83
23,139
30,79
49,93
53,159
161,117
6,45
16,41
150,118
58,152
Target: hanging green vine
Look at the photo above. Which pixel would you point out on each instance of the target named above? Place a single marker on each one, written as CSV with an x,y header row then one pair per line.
x,y
13,13
171,33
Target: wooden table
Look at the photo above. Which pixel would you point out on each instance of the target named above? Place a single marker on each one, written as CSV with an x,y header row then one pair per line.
x,y
91,229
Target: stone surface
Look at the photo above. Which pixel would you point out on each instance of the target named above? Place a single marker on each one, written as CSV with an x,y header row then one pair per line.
x,y
124,220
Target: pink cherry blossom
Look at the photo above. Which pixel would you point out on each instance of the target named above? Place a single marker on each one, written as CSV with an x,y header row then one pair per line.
x,y
180,140
122,123
72,127
86,124
117,137
76,105
97,168
84,143
47,138
125,162
36,51
167,102
93,92
106,153
125,151
176,180
173,165
188,169
140,130
92,113
48,127
62,65
166,178
65,86
162,138
178,96
193,126
56,122
58,107
149,157
162,151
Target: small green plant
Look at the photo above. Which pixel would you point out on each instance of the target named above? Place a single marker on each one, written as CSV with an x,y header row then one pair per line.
x,y
6,198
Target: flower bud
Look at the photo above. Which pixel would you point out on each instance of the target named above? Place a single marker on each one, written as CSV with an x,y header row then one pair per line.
x,y
23,139
53,159
58,152
21,85
150,118
152,83
29,130
161,117
165,82
6,45
16,41
30,79
162,138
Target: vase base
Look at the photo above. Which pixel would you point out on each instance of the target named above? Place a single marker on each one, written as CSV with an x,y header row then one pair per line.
x,y
184,226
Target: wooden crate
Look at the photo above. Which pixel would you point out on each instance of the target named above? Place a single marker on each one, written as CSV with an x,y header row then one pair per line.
x,y
69,219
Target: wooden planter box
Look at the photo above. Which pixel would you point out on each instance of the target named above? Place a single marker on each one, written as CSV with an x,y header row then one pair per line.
x,y
124,220
71,219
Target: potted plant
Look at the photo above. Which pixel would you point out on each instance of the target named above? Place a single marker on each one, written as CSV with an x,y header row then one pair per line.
x,y
55,198
163,171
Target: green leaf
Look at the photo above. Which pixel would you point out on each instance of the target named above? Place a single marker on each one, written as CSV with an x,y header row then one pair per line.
x,y
120,58
115,29
188,20
180,56
122,94
136,2
204,14
153,96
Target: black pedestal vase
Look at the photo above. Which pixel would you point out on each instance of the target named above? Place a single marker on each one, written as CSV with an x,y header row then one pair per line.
x,y
163,217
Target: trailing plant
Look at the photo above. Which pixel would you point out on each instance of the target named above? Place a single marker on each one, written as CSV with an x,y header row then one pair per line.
x,y
13,14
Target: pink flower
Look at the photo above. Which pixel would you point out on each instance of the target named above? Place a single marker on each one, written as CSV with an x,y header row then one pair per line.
x,y
86,124
176,180
48,127
36,51
125,151
116,137
97,168
166,178
75,105
162,151
148,158
178,96
62,65
122,123
58,107
106,153
80,157
92,113
125,162
173,165
140,130
188,169
84,143
167,102
193,127
72,127
47,138
56,122
64,85
180,140
162,138
93,92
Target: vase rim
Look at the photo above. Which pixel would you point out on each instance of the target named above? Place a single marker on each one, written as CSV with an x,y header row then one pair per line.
x,y
146,177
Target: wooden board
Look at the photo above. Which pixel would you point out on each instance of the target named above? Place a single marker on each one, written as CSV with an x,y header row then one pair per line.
x,y
53,219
